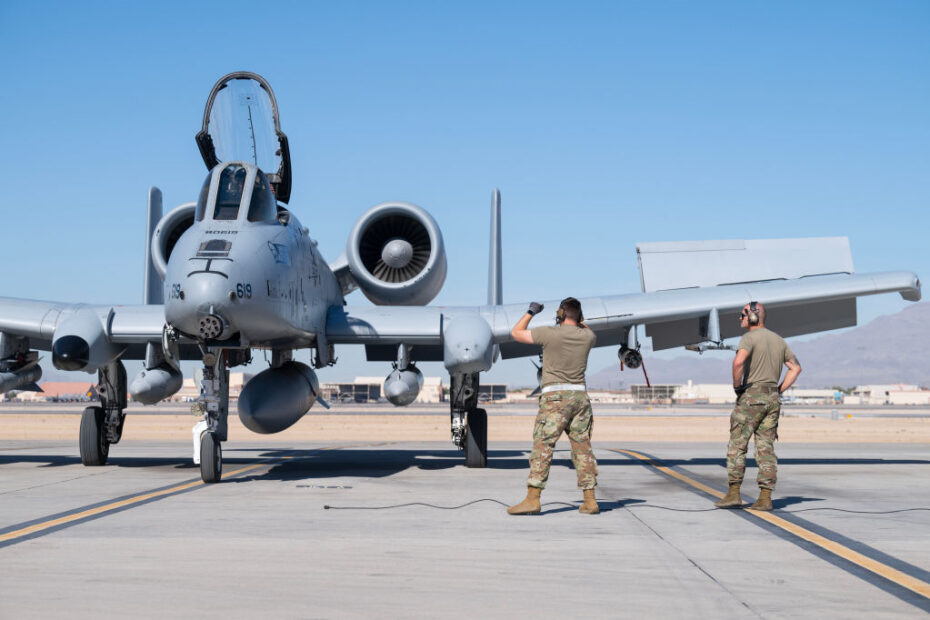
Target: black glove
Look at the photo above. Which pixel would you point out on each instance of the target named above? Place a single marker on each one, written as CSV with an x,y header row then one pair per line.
x,y
739,390
535,308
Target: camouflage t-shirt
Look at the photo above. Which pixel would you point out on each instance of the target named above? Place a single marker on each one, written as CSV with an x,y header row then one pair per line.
x,y
768,352
565,352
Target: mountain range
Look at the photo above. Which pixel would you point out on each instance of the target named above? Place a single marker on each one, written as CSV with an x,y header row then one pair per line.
x,y
890,349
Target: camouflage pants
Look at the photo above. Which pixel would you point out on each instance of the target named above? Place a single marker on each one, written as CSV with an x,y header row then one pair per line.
x,y
756,413
563,411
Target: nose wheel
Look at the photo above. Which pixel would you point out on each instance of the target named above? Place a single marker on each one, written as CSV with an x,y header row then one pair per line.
x,y
211,458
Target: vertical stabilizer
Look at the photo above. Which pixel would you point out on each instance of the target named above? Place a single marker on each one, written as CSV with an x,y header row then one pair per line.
x,y
495,277
153,291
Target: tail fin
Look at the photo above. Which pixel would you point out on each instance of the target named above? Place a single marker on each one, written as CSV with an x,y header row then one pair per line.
x,y
495,277
153,292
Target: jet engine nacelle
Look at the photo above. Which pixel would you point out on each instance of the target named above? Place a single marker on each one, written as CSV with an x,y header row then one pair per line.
x,y
167,232
402,387
153,385
396,255
276,398
81,343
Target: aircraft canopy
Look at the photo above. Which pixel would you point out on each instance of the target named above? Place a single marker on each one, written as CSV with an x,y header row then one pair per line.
x,y
241,123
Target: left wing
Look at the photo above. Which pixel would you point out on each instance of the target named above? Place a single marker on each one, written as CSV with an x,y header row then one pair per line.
x,y
672,318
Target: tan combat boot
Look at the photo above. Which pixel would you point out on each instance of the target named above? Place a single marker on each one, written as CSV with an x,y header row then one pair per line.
x,y
589,507
765,500
530,505
732,499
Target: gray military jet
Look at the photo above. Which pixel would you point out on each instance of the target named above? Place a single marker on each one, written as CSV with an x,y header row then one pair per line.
x,y
237,271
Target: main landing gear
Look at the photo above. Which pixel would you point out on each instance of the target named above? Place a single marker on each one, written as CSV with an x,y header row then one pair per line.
x,y
102,426
469,424
213,405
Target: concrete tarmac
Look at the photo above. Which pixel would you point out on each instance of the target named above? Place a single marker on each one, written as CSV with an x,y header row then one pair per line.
x,y
410,532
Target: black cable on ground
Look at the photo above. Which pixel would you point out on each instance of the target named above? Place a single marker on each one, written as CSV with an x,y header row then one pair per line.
x,y
477,501
570,505
858,512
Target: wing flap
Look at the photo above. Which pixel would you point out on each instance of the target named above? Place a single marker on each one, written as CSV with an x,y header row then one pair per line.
x,y
689,264
786,320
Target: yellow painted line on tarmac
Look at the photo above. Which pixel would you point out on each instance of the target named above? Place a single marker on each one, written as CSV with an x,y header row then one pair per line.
x,y
882,570
129,501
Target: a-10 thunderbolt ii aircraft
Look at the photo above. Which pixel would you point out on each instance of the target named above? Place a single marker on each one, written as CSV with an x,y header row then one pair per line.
x,y
237,271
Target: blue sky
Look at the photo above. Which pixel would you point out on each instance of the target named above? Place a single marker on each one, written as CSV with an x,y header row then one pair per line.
x,y
603,124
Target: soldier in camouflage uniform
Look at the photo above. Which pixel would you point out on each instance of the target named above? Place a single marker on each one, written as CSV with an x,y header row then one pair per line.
x,y
563,402
756,369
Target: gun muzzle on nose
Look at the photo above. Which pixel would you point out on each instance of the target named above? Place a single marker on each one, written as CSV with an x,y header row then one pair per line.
x,y
212,326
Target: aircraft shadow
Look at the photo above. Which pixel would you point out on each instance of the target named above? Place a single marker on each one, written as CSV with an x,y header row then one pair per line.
x,y
317,463
321,464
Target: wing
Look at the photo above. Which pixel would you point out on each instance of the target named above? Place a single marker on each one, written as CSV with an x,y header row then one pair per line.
x,y
129,326
672,318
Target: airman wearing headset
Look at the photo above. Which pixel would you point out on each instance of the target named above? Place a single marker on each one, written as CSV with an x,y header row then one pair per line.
x,y
563,402
760,355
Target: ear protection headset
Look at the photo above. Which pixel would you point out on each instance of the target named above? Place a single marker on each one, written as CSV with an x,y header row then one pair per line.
x,y
560,313
753,315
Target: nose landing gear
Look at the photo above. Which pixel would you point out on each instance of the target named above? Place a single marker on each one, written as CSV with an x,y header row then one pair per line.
x,y
213,405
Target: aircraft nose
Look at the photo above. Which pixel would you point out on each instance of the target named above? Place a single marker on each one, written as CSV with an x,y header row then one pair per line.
x,y
70,353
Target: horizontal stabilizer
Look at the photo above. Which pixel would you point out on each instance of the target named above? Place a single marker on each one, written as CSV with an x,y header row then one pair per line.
x,y
691,264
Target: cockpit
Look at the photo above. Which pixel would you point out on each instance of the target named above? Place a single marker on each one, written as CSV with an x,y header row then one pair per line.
x,y
234,189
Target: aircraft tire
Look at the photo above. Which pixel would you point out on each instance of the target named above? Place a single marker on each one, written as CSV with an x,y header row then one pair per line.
x,y
211,458
95,448
476,439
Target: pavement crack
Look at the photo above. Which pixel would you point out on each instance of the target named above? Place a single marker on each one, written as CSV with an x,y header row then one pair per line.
x,y
695,564
50,484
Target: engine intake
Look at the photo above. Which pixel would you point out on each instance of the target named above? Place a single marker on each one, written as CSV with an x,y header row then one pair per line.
x,y
396,255
167,233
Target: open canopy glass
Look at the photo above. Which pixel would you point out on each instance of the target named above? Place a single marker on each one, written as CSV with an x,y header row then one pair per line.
x,y
241,123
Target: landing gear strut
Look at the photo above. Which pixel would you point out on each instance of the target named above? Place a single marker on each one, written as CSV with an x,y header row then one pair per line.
x,y
469,424
103,426
213,405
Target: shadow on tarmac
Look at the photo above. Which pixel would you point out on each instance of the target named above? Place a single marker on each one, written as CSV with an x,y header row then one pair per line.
x,y
333,462
784,502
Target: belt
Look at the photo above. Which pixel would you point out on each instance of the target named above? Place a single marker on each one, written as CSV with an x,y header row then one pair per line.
x,y
558,387
768,389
